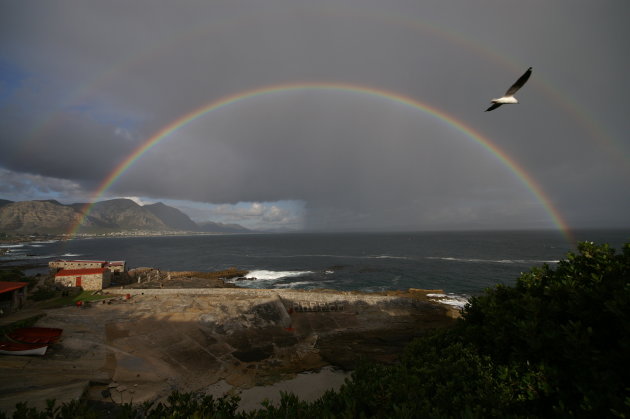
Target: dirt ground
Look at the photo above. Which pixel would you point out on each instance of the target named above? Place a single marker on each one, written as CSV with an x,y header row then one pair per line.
x,y
145,347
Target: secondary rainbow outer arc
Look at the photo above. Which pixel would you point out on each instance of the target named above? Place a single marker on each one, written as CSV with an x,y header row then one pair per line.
x,y
523,176
597,131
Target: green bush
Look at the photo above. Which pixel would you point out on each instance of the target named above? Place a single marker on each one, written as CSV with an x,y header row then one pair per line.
x,y
12,274
43,294
90,296
72,409
570,325
190,405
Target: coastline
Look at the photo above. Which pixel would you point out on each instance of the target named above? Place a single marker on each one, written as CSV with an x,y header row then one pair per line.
x,y
142,344
35,237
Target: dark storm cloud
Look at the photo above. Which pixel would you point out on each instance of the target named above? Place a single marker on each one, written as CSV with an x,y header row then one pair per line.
x,y
25,186
72,146
92,80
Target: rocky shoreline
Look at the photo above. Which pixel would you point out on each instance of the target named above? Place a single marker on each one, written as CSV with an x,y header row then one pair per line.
x,y
150,338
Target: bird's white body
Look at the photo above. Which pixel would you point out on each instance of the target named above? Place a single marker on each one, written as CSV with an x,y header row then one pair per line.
x,y
505,100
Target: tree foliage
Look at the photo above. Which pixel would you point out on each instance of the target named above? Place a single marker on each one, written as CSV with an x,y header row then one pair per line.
x,y
12,274
571,325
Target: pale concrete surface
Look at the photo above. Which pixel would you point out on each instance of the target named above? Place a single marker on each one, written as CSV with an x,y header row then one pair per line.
x,y
308,385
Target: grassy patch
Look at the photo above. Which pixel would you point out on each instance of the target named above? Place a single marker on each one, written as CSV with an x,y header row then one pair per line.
x,y
56,302
90,296
59,300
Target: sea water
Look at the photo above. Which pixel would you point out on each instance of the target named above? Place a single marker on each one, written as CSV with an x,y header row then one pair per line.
x,y
459,263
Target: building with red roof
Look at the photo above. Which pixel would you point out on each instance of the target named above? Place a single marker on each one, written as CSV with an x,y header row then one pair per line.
x,y
55,266
12,296
90,273
90,279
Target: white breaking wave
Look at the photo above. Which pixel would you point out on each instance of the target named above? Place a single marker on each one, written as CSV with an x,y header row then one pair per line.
x,y
275,275
387,257
11,246
70,255
456,300
255,278
347,256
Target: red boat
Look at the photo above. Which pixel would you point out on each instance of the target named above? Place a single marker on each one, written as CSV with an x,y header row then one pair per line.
x,y
36,335
12,348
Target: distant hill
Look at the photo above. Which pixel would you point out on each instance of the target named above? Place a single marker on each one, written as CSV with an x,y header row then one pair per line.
x,y
52,217
212,227
125,214
38,217
172,217
50,201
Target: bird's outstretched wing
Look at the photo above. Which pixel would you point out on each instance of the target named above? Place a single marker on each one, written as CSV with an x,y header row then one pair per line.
x,y
519,83
493,107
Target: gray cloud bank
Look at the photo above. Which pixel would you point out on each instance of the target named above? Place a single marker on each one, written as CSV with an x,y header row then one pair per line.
x,y
85,83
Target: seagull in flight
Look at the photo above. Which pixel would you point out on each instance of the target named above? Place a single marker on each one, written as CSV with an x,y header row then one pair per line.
x,y
508,97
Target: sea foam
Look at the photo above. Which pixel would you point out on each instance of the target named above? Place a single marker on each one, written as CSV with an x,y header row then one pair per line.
x,y
275,275
457,300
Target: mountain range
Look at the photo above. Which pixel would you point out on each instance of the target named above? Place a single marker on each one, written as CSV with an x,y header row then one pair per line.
x,y
116,215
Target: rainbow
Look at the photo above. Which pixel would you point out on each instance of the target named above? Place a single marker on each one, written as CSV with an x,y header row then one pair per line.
x,y
225,101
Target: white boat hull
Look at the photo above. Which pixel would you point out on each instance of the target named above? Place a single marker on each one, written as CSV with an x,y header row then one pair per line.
x,y
22,350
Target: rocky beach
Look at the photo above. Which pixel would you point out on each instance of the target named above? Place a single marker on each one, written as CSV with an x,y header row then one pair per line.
x,y
146,339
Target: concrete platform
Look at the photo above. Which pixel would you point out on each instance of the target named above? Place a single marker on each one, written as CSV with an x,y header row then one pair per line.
x,y
158,341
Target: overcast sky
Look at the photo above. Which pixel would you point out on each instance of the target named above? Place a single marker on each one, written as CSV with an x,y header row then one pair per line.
x,y
83,83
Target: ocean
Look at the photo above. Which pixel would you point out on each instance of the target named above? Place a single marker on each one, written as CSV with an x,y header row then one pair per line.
x,y
459,263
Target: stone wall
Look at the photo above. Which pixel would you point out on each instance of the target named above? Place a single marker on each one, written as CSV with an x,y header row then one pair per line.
x,y
13,300
288,297
89,282
117,266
